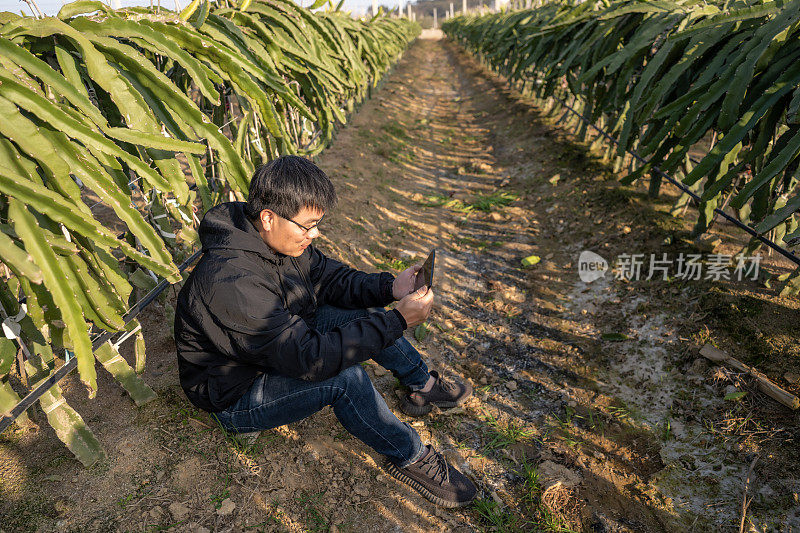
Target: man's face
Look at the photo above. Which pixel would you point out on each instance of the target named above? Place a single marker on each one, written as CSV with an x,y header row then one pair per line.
x,y
285,235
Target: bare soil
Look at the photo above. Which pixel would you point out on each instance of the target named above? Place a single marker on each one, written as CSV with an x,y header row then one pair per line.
x,y
566,430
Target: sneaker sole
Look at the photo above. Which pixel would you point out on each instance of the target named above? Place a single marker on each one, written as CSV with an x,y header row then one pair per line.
x,y
414,484
419,410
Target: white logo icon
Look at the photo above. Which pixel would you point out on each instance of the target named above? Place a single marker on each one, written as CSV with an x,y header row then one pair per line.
x,y
591,266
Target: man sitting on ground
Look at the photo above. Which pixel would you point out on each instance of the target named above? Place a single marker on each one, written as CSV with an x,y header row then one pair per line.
x,y
269,330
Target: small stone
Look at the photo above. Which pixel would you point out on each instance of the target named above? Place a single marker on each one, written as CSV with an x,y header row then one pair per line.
x,y
361,490
766,493
677,428
730,389
483,380
511,385
178,510
792,378
495,216
126,448
626,229
482,166
551,473
226,507
698,366
497,498
707,243
379,370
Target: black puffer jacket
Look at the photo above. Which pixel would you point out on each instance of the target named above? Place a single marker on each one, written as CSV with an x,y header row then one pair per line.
x,y
245,310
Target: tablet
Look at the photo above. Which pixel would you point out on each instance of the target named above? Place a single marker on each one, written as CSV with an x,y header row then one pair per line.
x,y
425,274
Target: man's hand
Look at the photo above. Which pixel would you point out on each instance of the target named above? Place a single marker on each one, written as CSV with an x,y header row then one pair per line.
x,y
403,284
416,306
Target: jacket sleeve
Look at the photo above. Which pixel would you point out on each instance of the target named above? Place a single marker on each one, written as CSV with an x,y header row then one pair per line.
x,y
254,327
347,287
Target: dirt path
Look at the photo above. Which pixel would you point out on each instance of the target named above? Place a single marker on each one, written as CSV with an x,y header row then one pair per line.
x,y
565,429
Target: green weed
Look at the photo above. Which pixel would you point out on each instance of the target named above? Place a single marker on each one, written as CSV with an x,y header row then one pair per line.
x,y
665,430
566,422
501,435
489,202
499,519
366,134
392,153
441,200
594,420
620,413
476,243
395,128
125,500
312,515
139,493
219,497
572,443
393,264
485,203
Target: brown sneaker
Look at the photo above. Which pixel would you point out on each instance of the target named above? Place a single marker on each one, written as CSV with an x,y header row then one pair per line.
x,y
444,394
439,482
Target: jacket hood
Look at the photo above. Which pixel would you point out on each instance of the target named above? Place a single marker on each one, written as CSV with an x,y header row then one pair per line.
x,y
226,226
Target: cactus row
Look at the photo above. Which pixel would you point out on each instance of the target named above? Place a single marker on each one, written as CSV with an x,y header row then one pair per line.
x,y
120,128
664,77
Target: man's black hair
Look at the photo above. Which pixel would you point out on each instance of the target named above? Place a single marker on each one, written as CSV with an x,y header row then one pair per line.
x,y
288,184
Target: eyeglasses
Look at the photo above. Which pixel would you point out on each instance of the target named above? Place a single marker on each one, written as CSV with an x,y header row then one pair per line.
x,y
306,229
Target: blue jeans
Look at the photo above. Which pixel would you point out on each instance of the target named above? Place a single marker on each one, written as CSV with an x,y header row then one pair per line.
x,y
275,400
